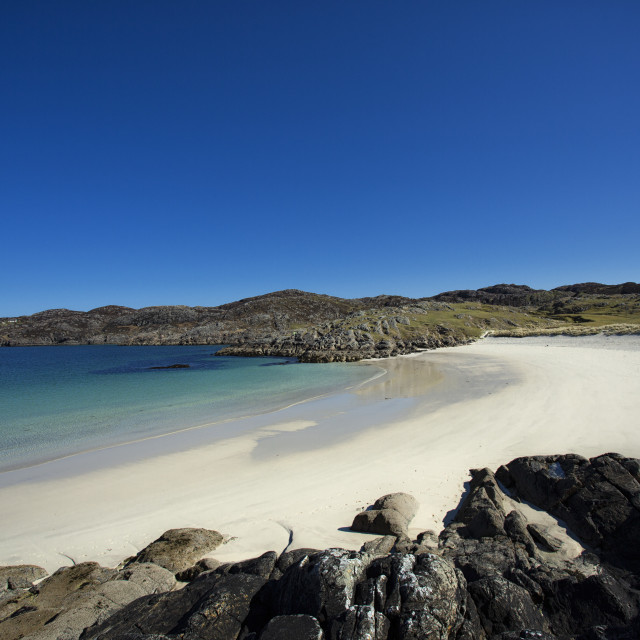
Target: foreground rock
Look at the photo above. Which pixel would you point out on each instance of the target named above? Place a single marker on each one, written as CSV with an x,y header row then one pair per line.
x,y
178,549
20,577
73,598
389,515
597,498
499,571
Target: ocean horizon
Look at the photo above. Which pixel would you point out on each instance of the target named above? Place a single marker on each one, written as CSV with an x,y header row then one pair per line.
x,y
57,401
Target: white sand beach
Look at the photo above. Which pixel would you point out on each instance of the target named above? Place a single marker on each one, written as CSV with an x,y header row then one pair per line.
x,y
298,476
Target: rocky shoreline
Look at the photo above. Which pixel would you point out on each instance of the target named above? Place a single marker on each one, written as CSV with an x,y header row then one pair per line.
x,y
546,547
336,344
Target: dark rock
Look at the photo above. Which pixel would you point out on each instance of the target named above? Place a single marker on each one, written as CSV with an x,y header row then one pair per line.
x,y
425,595
288,558
322,585
298,627
505,606
178,549
173,366
262,566
599,499
525,634
156,614
517,529
231,605
514,295
482,511
206,564
359,622
599,601
214,606
372,592
485,557
543,538
523,580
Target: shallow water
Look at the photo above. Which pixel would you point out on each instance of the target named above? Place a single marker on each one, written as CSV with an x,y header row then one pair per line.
x,y
56,401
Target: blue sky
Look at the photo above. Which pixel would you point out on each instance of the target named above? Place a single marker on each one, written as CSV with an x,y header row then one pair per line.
x,y
196,152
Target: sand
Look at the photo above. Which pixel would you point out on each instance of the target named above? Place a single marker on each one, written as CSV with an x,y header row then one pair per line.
x,y
297,477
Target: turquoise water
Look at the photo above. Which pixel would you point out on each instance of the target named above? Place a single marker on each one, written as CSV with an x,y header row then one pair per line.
x,y
55,401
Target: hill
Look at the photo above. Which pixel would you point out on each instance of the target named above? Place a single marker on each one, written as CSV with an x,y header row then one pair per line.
x,y
315,327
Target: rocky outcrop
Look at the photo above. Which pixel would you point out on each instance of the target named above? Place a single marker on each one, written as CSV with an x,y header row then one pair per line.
x,y
177,549
598,499
74,598
591,288
511,295
500,570
378,333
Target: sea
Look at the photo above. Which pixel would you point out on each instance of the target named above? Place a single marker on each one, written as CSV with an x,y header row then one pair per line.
x,y
60,400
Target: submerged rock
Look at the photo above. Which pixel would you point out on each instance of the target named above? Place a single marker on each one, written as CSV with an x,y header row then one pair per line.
x,y
173,366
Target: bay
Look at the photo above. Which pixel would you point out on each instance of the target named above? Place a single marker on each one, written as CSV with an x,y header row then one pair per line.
x,y
57,401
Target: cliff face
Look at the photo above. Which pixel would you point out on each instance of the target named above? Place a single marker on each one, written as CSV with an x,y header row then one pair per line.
x,y
323,328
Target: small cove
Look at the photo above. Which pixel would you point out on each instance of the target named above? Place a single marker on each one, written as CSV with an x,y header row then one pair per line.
x,y
58,401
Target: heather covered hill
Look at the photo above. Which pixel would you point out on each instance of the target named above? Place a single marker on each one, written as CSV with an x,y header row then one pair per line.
x,y
322,328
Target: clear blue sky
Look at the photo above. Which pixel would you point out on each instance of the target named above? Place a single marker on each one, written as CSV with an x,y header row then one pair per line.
x,y
198,152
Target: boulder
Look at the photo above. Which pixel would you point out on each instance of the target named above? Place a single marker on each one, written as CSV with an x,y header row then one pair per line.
x,y
178,549
403,503
389,515
379,546
300,627
228,608
20,576
206,564
424,596
359,622
212,607
322,585
288,558
505,606
482,511
262,566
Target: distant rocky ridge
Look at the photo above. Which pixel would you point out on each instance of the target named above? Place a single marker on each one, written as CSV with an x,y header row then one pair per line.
x,y
545,548
321,328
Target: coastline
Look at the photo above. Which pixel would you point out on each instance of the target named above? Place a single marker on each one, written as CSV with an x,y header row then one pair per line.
x,y
281,481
